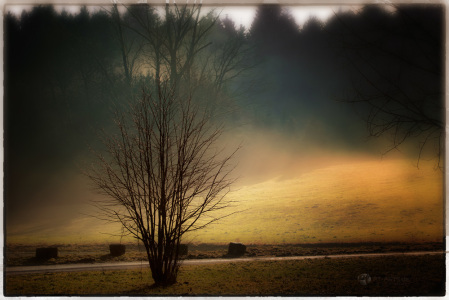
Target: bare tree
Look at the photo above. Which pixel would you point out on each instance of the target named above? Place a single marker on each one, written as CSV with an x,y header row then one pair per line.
x,y
198,54
164,175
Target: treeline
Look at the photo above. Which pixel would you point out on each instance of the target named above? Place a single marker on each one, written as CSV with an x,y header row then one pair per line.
x,y
381,57
73,64
64,72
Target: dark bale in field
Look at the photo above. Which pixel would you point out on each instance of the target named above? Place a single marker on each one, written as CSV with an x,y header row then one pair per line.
x,y
236,249
183,249
117,249
46,253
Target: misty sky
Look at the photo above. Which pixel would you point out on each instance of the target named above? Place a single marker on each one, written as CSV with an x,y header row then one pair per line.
x,y
289,108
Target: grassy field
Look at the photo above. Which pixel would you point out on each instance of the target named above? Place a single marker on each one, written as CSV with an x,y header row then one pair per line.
x,y
390,276
369,201
354,201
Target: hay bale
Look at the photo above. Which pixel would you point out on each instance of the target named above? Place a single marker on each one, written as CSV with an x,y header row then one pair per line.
x,y
117,249
46,253
236,249
183,249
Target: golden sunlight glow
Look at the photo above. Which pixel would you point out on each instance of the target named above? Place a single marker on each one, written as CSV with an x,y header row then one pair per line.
x,y
373,200
354,202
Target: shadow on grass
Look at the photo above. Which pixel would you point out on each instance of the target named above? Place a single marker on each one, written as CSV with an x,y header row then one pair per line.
x,y
142,290
233,255
106,257
34,261
110,257
153,289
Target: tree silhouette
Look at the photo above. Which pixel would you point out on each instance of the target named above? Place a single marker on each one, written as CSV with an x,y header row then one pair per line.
x,y
274,31
397,62
164,173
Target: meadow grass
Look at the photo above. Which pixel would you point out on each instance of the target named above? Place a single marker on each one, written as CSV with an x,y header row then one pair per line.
x,y
422,275
353,200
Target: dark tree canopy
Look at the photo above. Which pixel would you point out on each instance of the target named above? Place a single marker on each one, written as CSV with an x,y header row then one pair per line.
x,y
396,63
387,60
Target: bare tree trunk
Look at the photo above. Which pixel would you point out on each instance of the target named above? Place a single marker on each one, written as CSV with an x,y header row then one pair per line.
x,y
164,175
164,172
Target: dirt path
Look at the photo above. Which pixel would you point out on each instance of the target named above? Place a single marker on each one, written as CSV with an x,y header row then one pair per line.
x,y
144,264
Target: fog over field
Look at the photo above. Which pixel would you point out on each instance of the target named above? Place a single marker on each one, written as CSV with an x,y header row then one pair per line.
x,y
315,163
363,201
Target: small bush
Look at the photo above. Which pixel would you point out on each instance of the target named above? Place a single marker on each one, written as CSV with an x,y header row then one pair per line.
x,y
46,253
236,249
117,249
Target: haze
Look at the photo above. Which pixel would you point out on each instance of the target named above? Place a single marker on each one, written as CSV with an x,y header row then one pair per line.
x,y
308,170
